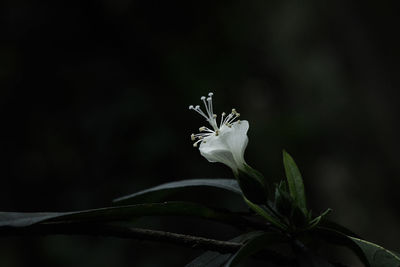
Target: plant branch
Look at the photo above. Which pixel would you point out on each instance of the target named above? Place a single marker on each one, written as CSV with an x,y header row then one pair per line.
x,y
190,241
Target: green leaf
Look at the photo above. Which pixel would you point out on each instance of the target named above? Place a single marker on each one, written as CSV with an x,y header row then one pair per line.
x,y
209,259
265,214
370,254
255,245
121,213
377,256
295,182
159,192
283,201
216,259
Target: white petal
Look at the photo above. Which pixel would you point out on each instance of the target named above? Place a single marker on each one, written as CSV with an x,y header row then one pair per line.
x,y
222,156
237,140
228,147
215,149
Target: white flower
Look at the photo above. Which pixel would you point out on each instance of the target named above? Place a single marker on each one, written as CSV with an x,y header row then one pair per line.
x,y
225,142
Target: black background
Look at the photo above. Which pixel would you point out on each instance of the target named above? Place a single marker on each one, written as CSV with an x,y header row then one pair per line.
x,y
94,105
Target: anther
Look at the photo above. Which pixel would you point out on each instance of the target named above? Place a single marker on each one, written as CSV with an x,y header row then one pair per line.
x,y
192,137
202,98
191,107
210,94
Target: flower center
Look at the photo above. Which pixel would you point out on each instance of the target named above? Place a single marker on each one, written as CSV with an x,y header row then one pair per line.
x,y
226,120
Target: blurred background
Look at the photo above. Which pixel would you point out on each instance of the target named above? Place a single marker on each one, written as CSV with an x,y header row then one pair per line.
x,y
94,105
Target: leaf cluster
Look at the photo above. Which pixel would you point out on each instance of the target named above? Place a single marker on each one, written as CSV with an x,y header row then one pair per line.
x,y
279,219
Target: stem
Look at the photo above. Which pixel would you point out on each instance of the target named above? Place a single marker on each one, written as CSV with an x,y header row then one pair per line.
x,y
190,241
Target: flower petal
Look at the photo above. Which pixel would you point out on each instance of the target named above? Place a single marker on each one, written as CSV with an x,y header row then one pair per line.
x,y
228,147
222,156
236,139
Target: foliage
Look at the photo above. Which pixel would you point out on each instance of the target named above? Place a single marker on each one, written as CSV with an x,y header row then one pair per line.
x,y
285,219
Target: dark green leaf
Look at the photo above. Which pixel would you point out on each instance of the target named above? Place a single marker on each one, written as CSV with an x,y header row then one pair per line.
x,y
295,182
255,245
21,219
159,192
369,253
377,256
283,201
265,213
121,213
215,259
209,259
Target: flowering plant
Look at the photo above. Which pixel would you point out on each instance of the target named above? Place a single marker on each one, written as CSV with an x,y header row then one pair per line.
x,y
279,213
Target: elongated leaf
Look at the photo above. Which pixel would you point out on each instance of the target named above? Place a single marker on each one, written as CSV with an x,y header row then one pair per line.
x,y
263,213
22,219
377,256
295,182
209,259
161,191
13,219
216,259
370,254
254,245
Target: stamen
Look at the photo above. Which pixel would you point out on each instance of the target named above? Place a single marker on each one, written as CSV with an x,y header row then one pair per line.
x,y
209,115
203,98
222,119
198,110
209,103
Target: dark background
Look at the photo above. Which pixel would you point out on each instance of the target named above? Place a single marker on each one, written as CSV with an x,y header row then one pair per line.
x,y
94,105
